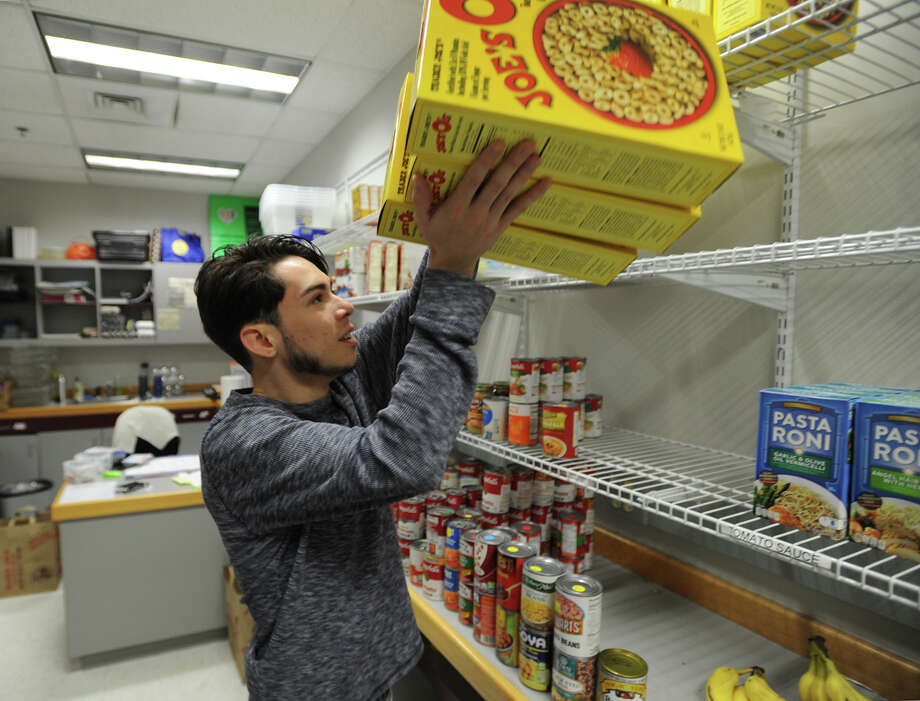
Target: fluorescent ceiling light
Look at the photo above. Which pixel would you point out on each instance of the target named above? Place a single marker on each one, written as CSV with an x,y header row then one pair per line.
x,y
99,160
174,66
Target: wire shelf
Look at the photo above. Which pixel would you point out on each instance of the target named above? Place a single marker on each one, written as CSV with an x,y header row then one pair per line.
x,y
880,55
711,492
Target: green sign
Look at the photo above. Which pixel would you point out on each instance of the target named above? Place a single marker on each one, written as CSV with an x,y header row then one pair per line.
x,y
895,482
809,465
233,220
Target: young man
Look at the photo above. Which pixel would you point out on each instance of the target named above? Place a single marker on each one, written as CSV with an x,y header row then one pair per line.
x,y
299,473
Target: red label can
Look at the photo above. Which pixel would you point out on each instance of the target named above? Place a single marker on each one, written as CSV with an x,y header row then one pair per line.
x,y
573,377
564,492
436,531
586,506
511,557
541,515
494,520
412,509
450,479
574,565
484,622
521,487
571,526
470,513
465,603
456,498
530,533
467,557
473,495
559,430
524,384
435,498
485,567
433,586
544,489
470,471
594,427
523,424
551,380
410,530
496,489
518,515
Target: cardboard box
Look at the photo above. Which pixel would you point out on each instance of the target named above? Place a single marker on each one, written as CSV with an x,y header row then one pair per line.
x,y
365,200
612,113
391,264
885,502
239,621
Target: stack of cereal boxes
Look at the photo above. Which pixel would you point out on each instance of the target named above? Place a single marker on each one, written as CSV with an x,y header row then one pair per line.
x,y
627,105
835,455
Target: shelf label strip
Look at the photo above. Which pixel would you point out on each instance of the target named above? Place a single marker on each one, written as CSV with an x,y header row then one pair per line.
x,y
777,548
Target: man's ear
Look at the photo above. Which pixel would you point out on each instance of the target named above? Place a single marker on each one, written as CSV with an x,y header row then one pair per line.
x,y
261,340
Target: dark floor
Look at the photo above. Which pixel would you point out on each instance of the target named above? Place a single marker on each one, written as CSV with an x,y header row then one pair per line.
x,y
434,679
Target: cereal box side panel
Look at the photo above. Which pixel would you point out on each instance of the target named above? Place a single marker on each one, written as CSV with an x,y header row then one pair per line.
x,y
397,221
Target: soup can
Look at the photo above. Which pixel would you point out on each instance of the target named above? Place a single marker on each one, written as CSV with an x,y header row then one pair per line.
x,y
451,588
538,591
530,533
578,615
621,674
571,526
563,491
551,380
573,677
485,566
495,520
450,479
417,552
594,427
559,433
484,617
521,487
507,635
474,414
535,659
456,498
584,492
495,419
496,489
474,496
573,377
469,470
573,565
452,535
507,530
544,489
542,516
467,555
412,509
518,515
433,586
511,558
524,385
586,506
436,531
470,513
435,498
523,424
465,603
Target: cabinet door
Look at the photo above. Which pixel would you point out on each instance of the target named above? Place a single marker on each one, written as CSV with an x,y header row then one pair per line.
x,y
58,446
18,457
176,314
192,424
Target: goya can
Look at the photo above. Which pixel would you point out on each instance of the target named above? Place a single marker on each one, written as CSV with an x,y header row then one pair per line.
x,y
621,674
484,617
544,489
551,380
453,533
523,424
524,385
578,615
538,591
433,586
571,527
451,588
474,414
467,555
495,418
559,433
417,552
470,471
573,377
507,635
496,489
521,487
511,558
535,657
485,567
530,533
465,603
573,677
436,531
594,427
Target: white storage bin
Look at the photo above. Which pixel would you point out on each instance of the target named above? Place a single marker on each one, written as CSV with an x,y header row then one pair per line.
x,y
283,208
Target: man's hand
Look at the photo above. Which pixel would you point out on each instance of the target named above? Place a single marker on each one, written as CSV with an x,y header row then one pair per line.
x,y
468,223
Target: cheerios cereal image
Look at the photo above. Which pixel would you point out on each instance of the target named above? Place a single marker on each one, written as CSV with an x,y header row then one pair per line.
x,y
625,61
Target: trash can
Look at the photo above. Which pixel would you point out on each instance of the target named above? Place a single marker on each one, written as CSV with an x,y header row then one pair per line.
x,y
15,495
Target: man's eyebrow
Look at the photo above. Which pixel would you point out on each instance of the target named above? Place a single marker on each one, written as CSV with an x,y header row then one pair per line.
x,y
317,286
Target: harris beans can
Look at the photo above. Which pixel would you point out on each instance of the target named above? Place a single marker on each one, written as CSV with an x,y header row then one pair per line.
x,y
621,674
577,616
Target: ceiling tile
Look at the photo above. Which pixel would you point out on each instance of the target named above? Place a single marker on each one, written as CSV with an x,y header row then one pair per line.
x,y
334,87
20,151
280,153
226,115
29,90
160,182
19,171
43,128
385,30
304,126
94,133
20,42
159,104
254,178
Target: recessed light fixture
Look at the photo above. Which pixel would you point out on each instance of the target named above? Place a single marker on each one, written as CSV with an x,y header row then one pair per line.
x,y
107,160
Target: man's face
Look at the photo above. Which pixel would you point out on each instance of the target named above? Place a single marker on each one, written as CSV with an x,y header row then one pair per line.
x,y
315,324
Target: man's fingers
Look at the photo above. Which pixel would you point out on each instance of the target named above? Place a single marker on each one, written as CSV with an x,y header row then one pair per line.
x,y
421,200
502,175
513,188
520,204
477,172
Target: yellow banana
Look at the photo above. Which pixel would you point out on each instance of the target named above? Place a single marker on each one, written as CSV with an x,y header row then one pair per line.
x,y
721,683
817,689
839,688
808,679
852,693
757,689
739,694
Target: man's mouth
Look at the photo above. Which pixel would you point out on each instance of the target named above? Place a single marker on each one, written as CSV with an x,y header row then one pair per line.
x,y
349,338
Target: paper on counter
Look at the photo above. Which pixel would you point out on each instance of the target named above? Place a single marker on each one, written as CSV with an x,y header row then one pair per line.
x,y
165,466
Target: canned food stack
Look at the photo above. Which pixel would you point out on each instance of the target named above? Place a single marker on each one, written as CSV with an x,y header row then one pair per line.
x,y
576,636
572,526
511,559
485,583
456,527
521,493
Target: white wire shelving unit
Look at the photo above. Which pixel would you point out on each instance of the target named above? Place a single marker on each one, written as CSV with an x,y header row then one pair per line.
x,y
710,492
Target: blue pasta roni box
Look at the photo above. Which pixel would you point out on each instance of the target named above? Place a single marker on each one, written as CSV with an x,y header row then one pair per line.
x,y
802,468
885,507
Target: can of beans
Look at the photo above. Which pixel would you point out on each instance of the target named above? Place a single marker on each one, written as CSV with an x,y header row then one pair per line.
x,y
571,526
535,657
494,520
485,556
594,427
563,492
559,433
495,418
538,591
511,558
507,635
474,414
465,603
470,471
473,495
621,674
530,533
484,617
470,513
573,378
578,615
524,385
518,515
496,489
523,424
451,583
433,585
551,380
521,487
456,498
544,489
452,535
436,531
573,677
435,498
417,552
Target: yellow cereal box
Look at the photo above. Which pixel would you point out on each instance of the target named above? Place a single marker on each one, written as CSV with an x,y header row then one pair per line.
x,y
701,6
620,96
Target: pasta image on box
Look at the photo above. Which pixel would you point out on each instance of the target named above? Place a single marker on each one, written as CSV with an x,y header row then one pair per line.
x,y
619,96
885,506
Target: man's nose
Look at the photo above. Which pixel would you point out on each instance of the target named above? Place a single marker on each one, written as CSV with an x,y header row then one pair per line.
x,y
346,309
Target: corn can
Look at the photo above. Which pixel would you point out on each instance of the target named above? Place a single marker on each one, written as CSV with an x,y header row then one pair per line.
x,y
535,657
538,591
621,674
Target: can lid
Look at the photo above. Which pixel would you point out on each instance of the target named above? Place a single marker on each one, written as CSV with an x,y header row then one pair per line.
x,y
623,663
517,550
579,585
462,523
493,536
544,566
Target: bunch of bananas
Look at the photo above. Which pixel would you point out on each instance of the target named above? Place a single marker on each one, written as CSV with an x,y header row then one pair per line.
x,y
822,681
723,685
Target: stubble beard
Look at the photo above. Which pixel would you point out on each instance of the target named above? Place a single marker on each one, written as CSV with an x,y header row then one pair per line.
x,y
302,363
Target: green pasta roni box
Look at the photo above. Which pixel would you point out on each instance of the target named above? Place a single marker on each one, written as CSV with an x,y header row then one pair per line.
x,y
885,506
802,474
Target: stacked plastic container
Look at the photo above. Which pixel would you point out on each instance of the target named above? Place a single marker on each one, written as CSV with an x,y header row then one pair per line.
x,y
302,211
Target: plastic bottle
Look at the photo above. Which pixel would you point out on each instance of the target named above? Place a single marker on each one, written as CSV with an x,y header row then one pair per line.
x,y
62,389
142,381
157,382
77,390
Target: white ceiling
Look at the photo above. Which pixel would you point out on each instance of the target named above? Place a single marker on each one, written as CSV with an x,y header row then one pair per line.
x,y
353,44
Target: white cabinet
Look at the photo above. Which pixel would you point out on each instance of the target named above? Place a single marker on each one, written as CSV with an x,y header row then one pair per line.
x,y
18,457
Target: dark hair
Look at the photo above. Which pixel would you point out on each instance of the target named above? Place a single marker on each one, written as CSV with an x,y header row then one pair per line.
x,y
236,286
